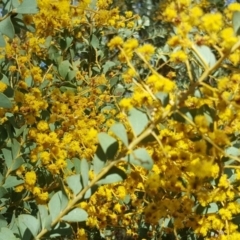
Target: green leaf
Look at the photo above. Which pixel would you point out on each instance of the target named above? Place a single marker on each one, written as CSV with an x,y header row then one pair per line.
x,y
163,97
112,176
12,181
48,41
31,223
207,55
15,3
99,160
63,194
84,171
107,66
3,222
233,151
138,121
236,22
64,68
74,182
77,165
2,41
29,81
7,153
105,141
119,90
54,205
6,233
27,7
44,218
108,144
16,163
140,157
4,101
15,149
6,27
3,191
212,208
119,130
76,215
68,41
94,41
71,74
4,79
88,193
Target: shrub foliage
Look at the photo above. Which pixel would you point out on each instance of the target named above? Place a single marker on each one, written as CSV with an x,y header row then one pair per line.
x,y
119,124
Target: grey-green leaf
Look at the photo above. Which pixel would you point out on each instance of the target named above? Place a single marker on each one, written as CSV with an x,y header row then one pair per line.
x,y
74,182
233,151
236,22
108,65
16,163
64,68
98,164
76,215
3,222
12,181
207,55
7,154
138,121
45,219
15,149
163,97
31,223
27,7
212,208
4,101
105,141
95,41
140,157
6,27
119,130
84,171
3,191
54,205
2,41
114,175
6,233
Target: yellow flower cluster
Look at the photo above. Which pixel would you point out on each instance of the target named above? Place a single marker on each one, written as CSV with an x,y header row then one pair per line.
x,y
194,128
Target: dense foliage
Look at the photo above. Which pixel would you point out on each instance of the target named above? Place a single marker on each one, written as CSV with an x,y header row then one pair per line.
x,y
119,120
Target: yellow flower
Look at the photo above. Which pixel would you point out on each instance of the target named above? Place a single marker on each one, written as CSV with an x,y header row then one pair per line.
x,y
228,37
19,188
195,15
121,192
30,178
212,22
20,171
202,123
3,86
42,126
170,12
225,214
43,197
36,191
128,14
45,157
126,104
115,42
81,234
179,56
12,68
147,50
